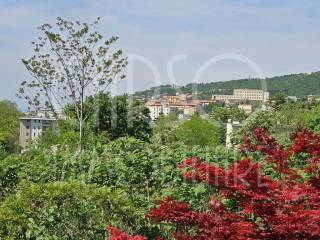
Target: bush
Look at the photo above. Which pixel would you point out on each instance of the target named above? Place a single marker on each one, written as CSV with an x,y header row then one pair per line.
x,y
198,131
141,172
58,210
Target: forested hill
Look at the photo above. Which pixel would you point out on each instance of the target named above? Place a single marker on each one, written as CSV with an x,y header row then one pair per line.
x,y
300,85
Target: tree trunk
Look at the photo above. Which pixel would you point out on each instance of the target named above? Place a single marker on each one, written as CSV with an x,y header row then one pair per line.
x,y
81,133
81,120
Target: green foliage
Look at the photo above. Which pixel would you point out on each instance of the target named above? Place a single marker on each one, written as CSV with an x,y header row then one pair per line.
x,y
138,123
57,210
198,131
140,172
164,129
112,118
148,172
277,101
314,119
223,114
9,171
66,134
9,128
280,121
211,106
264,119
294,114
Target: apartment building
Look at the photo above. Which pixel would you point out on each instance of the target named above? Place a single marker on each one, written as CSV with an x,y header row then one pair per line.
x,y
33,124
156,109
31,127
243,95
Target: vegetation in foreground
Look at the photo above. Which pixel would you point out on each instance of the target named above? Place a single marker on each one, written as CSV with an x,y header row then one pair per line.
x,y
248,203
117,178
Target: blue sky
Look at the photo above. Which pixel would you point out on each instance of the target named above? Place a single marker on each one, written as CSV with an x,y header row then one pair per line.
x,y
280,36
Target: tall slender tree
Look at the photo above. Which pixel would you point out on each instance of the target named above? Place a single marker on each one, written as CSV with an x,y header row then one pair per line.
x,y
70,61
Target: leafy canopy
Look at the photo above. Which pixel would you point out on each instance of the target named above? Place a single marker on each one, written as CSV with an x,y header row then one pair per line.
x,y
248,204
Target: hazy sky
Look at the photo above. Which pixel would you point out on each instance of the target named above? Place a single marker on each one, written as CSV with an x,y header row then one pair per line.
x,y
279,36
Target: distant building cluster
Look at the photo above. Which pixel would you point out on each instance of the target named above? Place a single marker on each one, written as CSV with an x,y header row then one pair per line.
x,y
243,95
184,106
180,104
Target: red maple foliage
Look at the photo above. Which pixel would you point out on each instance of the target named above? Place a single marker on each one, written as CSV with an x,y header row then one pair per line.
x,y
116,234
266,208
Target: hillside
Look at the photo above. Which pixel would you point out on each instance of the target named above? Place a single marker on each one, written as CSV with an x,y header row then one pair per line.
x,y
300,85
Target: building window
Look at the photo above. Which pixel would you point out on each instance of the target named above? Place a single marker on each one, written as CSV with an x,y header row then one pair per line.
x,y
28,127
27,134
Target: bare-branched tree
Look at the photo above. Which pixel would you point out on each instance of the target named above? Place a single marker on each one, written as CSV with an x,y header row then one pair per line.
x,y
70,62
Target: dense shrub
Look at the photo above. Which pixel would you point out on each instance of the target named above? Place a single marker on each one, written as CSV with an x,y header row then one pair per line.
x,y
142,172
57,210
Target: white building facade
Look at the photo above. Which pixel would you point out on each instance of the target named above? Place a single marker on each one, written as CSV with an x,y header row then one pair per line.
x,y
31,127
155,111
244,94
231,126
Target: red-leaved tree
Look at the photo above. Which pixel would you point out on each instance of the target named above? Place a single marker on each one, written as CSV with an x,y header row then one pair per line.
x,y
285,207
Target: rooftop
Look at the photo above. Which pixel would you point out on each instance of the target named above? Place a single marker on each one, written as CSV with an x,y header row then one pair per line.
x,y
38,118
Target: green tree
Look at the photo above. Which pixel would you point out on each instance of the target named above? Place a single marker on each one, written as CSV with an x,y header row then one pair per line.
x,y
265,119
70,62
198,131
139,121
223,114
280,121
67,135
164,129
293,114
9,175
58,210
314,119
277,100
9,128
210,107
118,117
